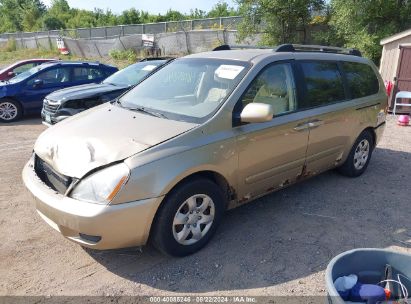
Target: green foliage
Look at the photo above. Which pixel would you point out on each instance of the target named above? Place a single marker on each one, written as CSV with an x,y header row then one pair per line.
x,y
53,23
197,14
32,15
11,46
362,24
20,15
129,55
280,21
221,9
9,54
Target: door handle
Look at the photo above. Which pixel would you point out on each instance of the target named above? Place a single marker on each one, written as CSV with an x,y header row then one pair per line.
x,y
302,127
315,123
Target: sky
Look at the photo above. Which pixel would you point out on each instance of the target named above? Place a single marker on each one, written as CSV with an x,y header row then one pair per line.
x,y
151,6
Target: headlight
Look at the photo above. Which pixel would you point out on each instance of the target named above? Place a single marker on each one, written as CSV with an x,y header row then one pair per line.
x,y
102,186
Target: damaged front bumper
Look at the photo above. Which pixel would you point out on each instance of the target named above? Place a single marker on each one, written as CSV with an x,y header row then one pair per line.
x,y
92,225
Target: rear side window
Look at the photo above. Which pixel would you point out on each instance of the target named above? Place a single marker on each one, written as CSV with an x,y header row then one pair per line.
x,y
324,83
87,73
361,79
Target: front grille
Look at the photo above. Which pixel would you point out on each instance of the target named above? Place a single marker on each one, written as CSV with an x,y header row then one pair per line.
x,y
50,108
50,177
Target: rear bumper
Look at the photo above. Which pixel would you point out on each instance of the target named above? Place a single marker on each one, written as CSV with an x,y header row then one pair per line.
x,y
379,131
92,225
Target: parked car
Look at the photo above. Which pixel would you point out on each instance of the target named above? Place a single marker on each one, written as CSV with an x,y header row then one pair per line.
x,y
24,94
20,67
206,133
67,102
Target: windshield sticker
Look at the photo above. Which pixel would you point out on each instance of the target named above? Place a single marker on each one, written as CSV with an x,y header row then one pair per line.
x,y
228,71
149,67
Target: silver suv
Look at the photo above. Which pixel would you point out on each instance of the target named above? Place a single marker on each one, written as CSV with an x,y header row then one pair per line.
x,y
206,133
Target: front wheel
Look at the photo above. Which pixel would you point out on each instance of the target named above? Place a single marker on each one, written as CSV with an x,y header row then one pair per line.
x,y
359,157
188,217
10,110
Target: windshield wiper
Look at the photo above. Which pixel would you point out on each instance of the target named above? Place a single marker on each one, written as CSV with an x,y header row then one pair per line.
x,y
149,112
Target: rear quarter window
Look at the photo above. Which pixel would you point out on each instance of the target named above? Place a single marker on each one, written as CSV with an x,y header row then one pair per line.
x,y
87,73
361,79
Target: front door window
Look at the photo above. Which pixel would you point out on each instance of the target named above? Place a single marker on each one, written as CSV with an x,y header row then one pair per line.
x,y
273,86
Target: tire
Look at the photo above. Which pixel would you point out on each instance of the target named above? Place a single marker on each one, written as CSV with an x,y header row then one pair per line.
x,y
10,110
181,226
359,157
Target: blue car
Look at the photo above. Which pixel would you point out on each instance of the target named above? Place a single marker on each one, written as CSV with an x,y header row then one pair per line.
x,y
24,93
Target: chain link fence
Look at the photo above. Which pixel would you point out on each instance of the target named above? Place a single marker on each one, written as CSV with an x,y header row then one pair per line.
x,y
168,44
227,23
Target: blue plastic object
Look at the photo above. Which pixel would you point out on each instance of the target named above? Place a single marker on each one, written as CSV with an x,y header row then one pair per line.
x,y
367,293
369,265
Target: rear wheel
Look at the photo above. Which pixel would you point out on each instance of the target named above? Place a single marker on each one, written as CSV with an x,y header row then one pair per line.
x,y
188,218
10,110
359,157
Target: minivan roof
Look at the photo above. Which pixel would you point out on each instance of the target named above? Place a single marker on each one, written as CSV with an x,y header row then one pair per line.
x,y
241,55
258,54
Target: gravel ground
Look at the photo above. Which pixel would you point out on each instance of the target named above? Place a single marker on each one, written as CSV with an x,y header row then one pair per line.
x,y
277,245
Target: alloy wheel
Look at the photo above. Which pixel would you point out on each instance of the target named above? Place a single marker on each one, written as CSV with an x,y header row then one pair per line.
x,y
8,111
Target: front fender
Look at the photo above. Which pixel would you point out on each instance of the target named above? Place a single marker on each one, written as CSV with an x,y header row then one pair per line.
x,y
3,92
157,178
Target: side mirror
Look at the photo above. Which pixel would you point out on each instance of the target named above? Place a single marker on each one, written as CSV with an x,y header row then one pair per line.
x,y
11,74
38,83
257,112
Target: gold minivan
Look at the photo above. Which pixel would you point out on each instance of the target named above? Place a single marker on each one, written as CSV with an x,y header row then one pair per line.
x,y
206,133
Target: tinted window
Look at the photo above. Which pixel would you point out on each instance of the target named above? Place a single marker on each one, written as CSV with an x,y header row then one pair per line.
x,y
274,87
324,83
361,79
86,73
52,76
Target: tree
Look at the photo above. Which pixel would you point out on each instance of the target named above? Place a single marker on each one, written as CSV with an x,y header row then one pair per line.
x,y
21,15
105,18
58,15
197,14
131,16
53,23
221,9
278,20
31,17
362,24
173,15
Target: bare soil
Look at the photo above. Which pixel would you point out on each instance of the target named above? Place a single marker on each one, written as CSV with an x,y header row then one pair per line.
x,y
277,245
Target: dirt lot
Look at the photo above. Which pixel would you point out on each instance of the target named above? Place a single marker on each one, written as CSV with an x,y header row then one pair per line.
x,y
278,245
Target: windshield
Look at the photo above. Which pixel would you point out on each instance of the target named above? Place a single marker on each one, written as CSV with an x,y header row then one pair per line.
x,y
27,74
187,89
133,74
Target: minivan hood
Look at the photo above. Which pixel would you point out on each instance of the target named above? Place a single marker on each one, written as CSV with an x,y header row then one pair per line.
x,y
83,91
102,135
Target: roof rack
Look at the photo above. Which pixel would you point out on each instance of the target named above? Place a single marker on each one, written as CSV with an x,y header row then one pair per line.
x,y
226,47
295,48
156,58
316,48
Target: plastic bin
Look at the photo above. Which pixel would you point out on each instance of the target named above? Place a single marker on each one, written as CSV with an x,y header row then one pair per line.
x,y
368,264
